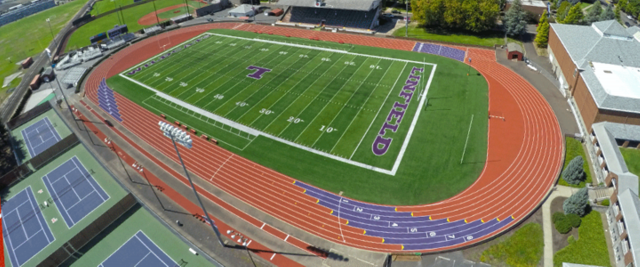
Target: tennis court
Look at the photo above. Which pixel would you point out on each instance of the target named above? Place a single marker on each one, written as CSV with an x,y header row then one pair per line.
x,y
139,250
24,228
39,136
74,190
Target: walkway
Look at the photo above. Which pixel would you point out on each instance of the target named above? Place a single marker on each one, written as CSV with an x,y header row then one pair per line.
x,y
547,225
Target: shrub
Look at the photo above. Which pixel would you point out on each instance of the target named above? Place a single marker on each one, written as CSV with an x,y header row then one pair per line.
x,y
571,240
563,226
557,217
605,202
577,203
574,173
574,220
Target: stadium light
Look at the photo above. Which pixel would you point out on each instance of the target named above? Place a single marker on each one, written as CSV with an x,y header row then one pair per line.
x,y
177,134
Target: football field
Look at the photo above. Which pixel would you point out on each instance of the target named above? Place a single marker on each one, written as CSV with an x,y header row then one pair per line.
x,y
356,108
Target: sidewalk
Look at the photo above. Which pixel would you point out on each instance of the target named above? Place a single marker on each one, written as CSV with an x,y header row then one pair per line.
x,y
547,226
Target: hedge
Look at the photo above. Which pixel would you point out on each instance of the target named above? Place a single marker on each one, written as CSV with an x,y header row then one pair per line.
x,y
574,220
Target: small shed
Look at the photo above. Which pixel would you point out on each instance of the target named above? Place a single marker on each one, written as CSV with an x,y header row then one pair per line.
x,y
514,51
27,63
243,10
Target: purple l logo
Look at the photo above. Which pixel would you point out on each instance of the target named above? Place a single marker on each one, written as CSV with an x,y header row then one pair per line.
x,y
258,73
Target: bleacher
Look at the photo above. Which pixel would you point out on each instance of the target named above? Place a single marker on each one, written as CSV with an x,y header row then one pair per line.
x,y
440,50
333,17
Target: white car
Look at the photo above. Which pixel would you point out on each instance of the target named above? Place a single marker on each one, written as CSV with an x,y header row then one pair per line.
x,y
629,17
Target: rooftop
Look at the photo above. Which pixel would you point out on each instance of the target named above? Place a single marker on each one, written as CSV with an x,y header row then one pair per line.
x,y
362,5
536,3
630,208
618,80
607,133
603,44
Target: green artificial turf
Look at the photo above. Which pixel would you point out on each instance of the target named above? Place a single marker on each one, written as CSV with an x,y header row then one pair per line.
x,y
574,149
16,46
523,248
80,38
419,32
103,6
591,246
324,90
632,159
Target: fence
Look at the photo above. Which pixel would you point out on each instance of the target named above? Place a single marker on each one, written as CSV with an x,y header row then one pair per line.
x,y
27,116
54,151
87,234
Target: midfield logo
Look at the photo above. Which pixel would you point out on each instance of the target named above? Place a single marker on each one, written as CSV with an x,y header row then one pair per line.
x,y
258,73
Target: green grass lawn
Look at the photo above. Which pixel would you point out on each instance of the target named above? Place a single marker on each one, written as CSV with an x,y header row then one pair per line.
x,y
632,159
523,248
584,5
488,40
328,90
15,45
103,6
80,38
574,149
591,246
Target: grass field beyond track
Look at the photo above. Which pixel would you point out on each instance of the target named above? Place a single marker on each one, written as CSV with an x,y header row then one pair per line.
x,y
303,111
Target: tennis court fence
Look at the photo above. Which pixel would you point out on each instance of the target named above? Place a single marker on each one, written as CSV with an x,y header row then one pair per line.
x,y
54,151
29,115
72,247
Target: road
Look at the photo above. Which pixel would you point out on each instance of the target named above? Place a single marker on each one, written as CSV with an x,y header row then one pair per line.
x,y
11,104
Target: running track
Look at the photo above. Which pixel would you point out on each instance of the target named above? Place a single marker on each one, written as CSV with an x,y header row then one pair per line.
x,y
524,157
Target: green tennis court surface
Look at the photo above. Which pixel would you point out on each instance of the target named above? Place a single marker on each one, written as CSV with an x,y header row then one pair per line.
x,y
51,212
303,107
40,132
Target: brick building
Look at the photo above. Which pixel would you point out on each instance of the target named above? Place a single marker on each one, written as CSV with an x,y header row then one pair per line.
x,y
599,65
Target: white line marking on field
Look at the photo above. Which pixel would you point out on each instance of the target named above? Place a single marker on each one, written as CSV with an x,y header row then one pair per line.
x,y
225,162
263,224
272,256
285,239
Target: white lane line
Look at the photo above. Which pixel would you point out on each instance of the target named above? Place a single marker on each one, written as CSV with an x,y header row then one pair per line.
x,y
285,239
272,256
263,224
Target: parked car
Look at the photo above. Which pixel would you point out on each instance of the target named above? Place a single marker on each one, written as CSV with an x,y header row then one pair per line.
x,y
395,11
387,15
629,17
626,23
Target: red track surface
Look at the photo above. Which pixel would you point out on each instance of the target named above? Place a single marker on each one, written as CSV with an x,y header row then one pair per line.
x,y
524,157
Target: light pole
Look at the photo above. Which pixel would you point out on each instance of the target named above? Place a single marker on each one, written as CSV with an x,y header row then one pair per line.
x,y
51,30
406,19
185,140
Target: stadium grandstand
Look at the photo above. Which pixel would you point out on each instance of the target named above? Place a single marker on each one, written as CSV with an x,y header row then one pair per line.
x,y
24,10
359,14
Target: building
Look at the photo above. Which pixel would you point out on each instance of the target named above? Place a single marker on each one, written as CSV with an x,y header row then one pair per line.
x,y
338,14
623,215
534,6
21,11
599,66
242,11
514,51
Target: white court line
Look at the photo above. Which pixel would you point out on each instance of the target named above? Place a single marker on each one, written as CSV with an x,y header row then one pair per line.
x,y
154,243
59,201
272,256
285,239
263,224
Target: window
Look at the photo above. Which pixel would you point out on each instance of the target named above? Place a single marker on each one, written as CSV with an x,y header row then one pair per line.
x,y
575,72
625,246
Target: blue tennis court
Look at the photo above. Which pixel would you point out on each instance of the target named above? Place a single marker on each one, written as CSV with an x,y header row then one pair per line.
x,y
140,251
74,191
40,136
24,228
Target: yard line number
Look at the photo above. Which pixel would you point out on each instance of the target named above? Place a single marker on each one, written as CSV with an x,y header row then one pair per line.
x,y
327,129
218,96
295,120
241,104
266,111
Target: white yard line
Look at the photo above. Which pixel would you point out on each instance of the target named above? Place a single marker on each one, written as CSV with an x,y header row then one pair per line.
x,y
374,118
363,105
330,100
351,97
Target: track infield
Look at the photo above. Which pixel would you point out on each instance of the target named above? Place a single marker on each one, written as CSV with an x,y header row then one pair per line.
x,y
301,108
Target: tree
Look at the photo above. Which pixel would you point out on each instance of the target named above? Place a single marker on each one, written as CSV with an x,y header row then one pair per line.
x,y
573,2
562,10
594,13
617,10
608,14
480,15
575,16
574,172
542,38
577,203
515,19
543,18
